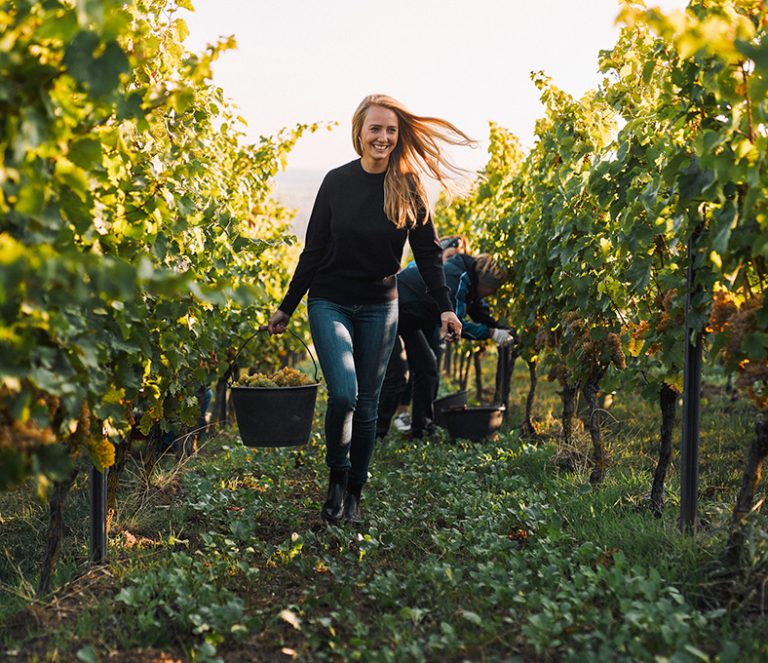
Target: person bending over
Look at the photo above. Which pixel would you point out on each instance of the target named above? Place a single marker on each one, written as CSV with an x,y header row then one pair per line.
x,y
469,280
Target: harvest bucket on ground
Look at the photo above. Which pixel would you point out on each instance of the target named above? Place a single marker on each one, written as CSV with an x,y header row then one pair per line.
x,y
441,405
474,423
275,417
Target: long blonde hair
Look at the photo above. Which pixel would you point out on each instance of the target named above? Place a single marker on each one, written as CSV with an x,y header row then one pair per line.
x,y
416,154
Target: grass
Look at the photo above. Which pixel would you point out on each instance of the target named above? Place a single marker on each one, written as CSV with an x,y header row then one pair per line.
x,y
497,551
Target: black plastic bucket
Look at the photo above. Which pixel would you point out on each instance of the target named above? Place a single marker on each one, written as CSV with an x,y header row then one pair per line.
x,y
474,423
441,405
279,417
275,416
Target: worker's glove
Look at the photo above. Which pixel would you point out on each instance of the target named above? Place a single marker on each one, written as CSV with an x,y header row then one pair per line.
x,y
502,337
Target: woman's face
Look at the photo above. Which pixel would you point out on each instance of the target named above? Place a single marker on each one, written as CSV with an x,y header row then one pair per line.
x,y
378,137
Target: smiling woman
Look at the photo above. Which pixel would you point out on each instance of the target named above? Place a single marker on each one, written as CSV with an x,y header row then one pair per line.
x,y
377,139
382,126
363,214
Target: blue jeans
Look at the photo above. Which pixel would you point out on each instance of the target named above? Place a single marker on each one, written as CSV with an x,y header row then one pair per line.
x,y
353,343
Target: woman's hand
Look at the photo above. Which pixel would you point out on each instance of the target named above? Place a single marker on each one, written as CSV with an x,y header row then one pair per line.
x,y
277,322
450,326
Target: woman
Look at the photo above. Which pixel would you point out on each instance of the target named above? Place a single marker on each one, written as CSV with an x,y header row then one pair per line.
x,y
363,214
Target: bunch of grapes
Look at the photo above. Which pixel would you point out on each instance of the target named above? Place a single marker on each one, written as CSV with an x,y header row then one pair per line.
x,y
285,377
724,308
558,373
738,322
545,339
257,380
613,343
290,377
595,353
24,435
667,305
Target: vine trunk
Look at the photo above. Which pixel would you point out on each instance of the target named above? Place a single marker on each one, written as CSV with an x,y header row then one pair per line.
x,y
758,450
55,532
668,396
527,427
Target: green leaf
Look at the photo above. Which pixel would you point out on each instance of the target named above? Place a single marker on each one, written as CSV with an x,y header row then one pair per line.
x,y
183,100
755,345
54,461
88,654
63,28
472,617
693,181
697,653
108,67
129,107
101,75
85,153
725,217
12,468
31,200
72,176
78,56
91,12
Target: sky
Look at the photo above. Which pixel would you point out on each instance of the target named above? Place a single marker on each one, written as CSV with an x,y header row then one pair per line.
x,y
468,61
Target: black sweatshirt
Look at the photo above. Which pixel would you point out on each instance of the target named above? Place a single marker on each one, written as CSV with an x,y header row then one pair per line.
x,y
353,251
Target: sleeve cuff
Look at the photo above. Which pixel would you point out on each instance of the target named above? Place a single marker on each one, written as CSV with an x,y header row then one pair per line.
x,y
288,306
443,299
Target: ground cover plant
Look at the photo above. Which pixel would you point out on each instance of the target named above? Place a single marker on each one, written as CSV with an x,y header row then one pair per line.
x,y
492,551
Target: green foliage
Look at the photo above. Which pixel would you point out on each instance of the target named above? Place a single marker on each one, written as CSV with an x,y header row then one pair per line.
x,y
469,552
594,221
186,595
139,241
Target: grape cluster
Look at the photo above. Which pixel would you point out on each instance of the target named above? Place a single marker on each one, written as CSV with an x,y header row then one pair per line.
x,y
669,310
285,377
595,353
24,434
724,309
739,323
257,380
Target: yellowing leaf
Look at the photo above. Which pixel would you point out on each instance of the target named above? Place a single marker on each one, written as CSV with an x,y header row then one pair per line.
x,y
181,28
290,618
10,249
72,176
114,395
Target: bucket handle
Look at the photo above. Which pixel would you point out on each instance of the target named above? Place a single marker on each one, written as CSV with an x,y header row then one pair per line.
x,y
263,328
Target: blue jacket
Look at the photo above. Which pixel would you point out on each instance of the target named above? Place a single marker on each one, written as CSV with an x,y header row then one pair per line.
x,y
461,278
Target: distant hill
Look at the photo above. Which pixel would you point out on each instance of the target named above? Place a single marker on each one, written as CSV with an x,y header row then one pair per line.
x,y
297,189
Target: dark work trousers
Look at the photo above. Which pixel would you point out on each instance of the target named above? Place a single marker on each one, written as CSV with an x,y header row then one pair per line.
x,y
422,359
396,381
412,352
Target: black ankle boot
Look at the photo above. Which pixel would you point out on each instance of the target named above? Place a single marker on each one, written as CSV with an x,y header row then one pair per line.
x,y
333,509
352,504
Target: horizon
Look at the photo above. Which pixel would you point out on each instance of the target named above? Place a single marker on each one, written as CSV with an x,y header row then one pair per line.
x,y
469,63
